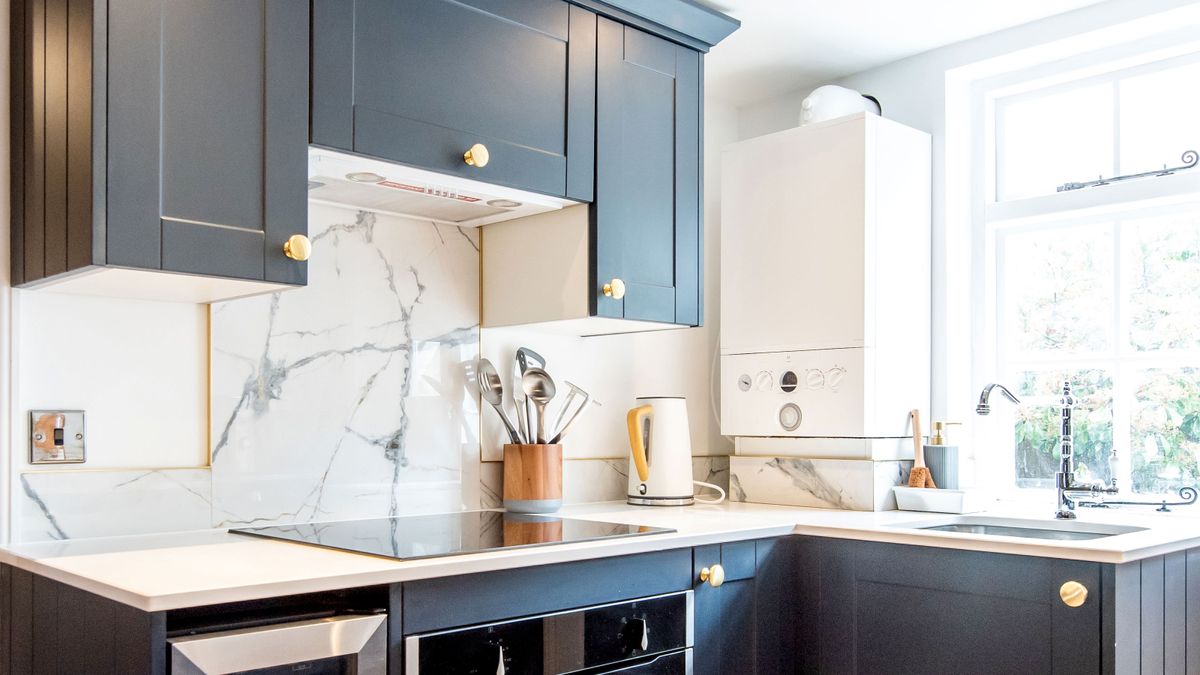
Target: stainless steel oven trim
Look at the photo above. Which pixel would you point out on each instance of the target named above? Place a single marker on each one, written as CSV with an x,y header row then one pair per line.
x,y
285,643
689,638
412,643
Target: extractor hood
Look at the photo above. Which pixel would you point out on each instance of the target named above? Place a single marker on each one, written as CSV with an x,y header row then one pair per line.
x,y
383,187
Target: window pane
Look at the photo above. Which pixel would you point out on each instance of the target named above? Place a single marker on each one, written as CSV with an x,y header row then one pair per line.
x,y
1158,118
1165,430
1057,287
1045,141
1038,429
1162,271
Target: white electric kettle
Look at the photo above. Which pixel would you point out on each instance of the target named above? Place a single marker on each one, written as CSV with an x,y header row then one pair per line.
x,y
660,460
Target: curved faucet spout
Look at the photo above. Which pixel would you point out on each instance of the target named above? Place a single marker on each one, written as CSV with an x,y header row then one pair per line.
x,y
984,407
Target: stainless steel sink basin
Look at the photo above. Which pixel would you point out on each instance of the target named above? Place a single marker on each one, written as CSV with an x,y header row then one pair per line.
x,y
1058,530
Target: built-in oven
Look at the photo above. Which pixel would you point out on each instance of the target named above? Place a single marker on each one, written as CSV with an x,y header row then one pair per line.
x,y
334,645
646,636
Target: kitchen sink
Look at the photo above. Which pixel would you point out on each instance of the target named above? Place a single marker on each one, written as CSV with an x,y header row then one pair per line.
x,y
1017,527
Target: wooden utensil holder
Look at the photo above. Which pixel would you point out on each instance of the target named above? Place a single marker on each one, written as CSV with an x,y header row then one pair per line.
x,y
532,478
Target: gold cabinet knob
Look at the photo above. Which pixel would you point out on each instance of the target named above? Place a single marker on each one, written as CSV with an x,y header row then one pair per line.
x,y
477,156
297,247
715,575
1073,594
614,289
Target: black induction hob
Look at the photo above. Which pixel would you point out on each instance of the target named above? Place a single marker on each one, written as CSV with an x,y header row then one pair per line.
x,y
442,534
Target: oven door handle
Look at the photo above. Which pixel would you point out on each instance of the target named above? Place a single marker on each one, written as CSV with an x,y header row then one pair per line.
x,y
364,637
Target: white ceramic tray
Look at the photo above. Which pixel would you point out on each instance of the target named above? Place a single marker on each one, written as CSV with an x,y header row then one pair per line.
x,y
941,501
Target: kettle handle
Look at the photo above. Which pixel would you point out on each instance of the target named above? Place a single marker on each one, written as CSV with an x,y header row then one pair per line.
x,y
636,442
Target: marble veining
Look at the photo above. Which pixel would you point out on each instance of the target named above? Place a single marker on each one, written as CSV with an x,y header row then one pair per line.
x,y
852,485
348,398
69,504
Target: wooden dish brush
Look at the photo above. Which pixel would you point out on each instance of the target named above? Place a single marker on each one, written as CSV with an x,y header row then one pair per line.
x,y
920,476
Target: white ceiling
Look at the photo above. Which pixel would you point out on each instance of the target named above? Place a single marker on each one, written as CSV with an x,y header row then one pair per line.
x,y
785,45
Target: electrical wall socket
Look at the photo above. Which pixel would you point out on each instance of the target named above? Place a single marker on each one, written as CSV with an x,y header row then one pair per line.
x,y
56,437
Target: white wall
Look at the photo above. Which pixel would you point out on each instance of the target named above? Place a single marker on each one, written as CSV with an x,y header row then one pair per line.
x,y
139,369
615,369
917,91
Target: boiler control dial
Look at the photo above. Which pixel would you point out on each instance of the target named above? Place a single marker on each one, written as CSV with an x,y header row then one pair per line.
x,y
763,381
834,377
814,378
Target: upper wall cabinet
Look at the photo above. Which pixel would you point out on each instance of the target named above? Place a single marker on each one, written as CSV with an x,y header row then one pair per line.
x,y
159,136
631,260
646,225
502,92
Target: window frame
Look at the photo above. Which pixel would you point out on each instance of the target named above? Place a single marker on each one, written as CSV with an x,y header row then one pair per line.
x,y
1115,204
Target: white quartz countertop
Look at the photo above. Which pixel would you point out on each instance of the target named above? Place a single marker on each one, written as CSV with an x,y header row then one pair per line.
x,y
168,571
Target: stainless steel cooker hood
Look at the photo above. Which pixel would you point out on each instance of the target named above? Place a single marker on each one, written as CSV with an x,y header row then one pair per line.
x,y
362,182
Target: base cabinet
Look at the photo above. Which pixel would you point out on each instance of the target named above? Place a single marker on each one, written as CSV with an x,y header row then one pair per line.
x,y
51,628
738,623
785,605
865,607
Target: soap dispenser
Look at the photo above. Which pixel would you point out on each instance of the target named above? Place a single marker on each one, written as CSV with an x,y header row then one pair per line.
x,y
941,457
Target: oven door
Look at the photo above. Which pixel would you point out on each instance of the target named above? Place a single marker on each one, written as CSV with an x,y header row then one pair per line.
x,y
339,645
646,636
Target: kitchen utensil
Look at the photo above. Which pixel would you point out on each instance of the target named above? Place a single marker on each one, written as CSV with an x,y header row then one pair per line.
x,y
660,460
566,405
561,429
523,359
532,478
920,476
519,402
539,388
492,389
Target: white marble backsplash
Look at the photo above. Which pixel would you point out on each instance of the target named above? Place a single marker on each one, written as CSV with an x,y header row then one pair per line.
x,y
347,398
70,504
343,399
853,485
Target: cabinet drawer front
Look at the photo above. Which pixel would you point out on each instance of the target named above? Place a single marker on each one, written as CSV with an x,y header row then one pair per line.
x,y
441,149
494,596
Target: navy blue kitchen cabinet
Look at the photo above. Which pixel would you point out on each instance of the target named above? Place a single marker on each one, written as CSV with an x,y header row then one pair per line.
x,y
742,625
865,607
421,82
645,226
159,135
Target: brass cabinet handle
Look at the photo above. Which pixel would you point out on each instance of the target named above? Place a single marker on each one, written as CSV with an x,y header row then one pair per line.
x,y
477,156
1073,594
614,289
714,575
297,247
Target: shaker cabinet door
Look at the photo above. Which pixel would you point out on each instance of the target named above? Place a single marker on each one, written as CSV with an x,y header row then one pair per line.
x,y
207,136
421,82
741,627
869,607
648,168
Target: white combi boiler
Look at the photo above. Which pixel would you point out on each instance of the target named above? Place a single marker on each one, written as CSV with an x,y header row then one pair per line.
x,y
825,289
